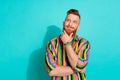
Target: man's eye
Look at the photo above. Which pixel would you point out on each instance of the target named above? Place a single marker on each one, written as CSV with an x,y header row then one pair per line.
x,y
75,22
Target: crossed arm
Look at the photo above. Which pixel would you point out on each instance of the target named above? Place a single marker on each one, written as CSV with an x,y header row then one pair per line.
x,y
67,70
77,64
63,71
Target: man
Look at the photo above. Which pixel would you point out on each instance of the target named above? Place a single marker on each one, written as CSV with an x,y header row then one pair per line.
x,y
67,55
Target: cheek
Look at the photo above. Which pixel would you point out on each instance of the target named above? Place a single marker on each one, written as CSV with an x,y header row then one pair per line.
x,y
76,27
65,24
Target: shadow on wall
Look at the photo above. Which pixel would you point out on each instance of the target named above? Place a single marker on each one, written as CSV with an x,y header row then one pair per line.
x,y
36,68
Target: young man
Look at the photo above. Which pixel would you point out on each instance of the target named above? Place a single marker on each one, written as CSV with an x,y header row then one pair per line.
x,y
67,55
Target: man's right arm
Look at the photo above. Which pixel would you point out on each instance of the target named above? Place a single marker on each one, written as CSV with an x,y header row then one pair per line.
x,y
55,70
61,71
52,68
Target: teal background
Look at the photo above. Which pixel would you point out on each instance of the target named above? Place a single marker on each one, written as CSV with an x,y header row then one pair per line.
x,y
26,26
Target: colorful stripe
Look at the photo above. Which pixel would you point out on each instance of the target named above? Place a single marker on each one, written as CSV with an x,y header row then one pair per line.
x,y
56,55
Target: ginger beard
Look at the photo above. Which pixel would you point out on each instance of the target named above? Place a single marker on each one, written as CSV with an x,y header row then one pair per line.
x,y
69,31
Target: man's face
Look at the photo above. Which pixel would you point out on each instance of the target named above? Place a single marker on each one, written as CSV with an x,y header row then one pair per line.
x,y
71,24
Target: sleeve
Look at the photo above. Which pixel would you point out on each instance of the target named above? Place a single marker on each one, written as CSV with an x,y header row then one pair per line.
x,y
50,57
83,53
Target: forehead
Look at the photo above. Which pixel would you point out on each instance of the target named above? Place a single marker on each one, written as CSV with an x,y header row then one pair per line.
x,y
73,17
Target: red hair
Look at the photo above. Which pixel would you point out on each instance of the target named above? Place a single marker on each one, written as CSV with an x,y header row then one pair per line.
x,y
73,11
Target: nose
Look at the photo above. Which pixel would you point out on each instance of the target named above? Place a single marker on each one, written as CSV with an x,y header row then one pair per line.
x,y
70,23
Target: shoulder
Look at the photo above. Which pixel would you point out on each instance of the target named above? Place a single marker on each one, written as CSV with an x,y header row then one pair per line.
x,y
82,40
53,41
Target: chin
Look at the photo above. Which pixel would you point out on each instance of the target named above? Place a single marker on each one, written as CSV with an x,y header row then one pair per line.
x,y
68,31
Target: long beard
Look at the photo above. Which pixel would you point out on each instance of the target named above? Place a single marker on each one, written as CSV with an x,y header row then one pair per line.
x,y
69,31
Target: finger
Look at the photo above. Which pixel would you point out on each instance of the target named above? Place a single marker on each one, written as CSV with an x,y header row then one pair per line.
x,y
71,34
65,32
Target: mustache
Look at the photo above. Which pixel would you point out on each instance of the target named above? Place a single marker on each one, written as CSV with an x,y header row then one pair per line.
x,y
70,27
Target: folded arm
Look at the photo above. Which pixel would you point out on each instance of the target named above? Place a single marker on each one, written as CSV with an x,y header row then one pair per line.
x,y
52,68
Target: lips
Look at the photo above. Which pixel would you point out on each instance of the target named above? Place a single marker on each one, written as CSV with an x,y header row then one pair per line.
x,y
69,31
69,27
